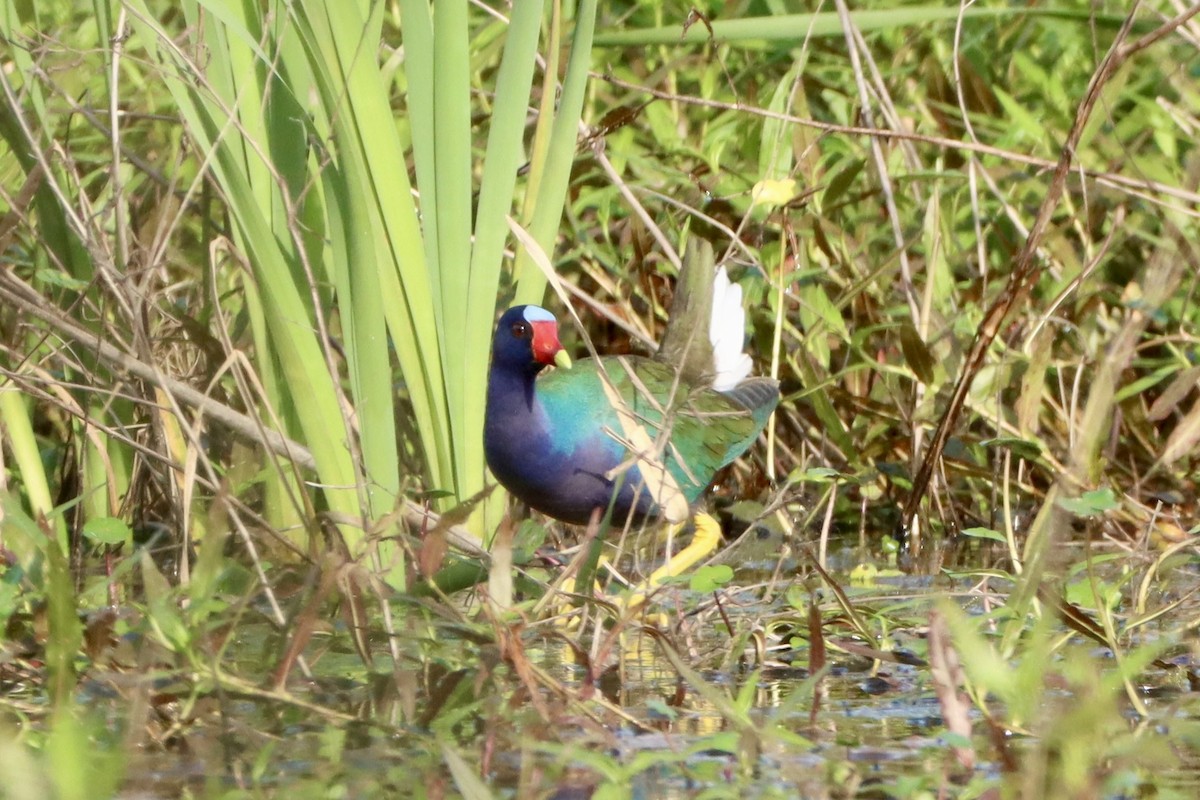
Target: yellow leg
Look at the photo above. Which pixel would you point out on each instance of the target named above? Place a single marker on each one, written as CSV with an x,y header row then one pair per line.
x,y
562,603
704,543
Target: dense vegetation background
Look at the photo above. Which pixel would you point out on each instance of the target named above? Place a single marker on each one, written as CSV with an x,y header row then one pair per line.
x,y
250,259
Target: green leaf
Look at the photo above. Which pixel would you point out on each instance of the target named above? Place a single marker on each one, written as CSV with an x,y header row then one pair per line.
x,y
64,630
797,597
916,353
108,530
724,742
984,533
56,277
554,155
466,778
815,301
1091,503
788,27
662,709
1089,592
775,157
75,765
1022,448
1020,118
710,578
842,180
814,475
774,193
161,610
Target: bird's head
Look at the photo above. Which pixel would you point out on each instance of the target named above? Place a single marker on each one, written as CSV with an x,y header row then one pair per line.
x,y
527,339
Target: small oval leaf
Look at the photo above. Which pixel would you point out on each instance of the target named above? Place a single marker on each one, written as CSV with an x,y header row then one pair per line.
x,y
710,578
916,354
1091,503
107,530
984,533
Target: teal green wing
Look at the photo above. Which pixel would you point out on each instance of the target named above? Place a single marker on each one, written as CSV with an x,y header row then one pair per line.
x,y
703,429
697,430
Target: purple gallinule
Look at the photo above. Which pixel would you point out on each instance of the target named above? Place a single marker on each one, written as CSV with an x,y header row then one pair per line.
x,y
644,434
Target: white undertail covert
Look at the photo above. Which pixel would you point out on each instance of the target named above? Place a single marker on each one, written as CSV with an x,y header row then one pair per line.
x,y
727,332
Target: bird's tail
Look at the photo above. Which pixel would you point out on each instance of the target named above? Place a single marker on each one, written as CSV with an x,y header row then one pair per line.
x,y
759,396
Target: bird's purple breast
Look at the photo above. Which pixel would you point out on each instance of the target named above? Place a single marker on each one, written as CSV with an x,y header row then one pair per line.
x,y
551,471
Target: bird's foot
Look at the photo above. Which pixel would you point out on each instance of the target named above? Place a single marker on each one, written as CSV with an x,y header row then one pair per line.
x,y
705,540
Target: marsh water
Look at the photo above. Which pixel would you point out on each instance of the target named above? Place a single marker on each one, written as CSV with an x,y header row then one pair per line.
x,y
736,712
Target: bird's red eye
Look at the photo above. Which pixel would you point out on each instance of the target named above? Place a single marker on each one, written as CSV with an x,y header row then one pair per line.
x,y
520,330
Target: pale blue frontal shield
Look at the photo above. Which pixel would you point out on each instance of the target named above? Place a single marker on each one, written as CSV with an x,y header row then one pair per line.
x,y
538,314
